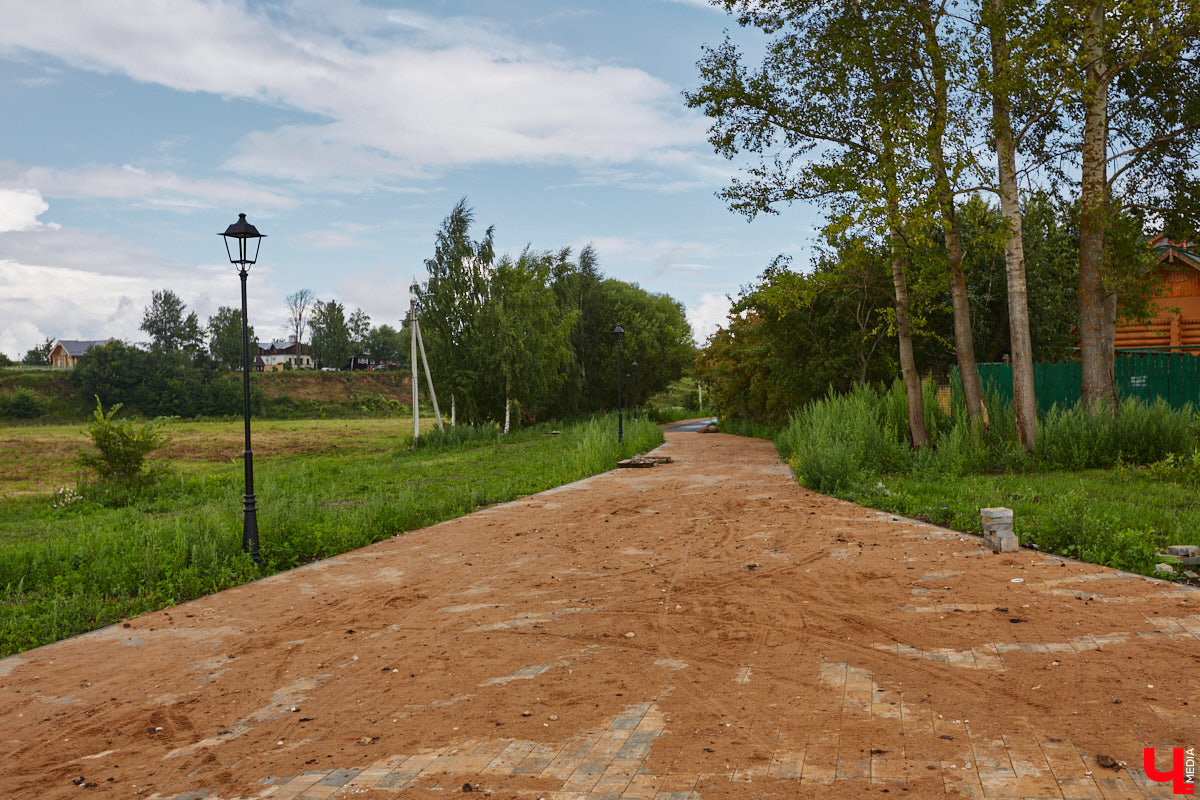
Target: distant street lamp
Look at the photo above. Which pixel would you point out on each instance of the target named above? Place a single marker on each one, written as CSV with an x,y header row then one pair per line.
x,y
618,334
633,412
237,240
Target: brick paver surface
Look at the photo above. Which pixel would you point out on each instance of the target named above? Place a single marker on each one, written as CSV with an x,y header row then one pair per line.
x,y
703,629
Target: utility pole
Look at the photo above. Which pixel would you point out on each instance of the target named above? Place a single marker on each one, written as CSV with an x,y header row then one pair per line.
x,y
416,341
412,360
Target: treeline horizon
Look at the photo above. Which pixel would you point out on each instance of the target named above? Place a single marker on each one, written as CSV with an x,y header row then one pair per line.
x,y
794,336
509,338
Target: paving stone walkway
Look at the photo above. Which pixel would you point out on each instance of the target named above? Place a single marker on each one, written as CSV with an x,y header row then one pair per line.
x,y
704,629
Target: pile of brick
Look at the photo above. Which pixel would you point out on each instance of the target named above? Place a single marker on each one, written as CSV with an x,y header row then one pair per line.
x,y
998,529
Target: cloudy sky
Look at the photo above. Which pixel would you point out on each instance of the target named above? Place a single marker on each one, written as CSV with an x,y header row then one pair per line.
x,y
138,129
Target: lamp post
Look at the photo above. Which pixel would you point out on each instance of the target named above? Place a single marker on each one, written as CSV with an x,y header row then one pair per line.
x,y
633,411
237,244
618,334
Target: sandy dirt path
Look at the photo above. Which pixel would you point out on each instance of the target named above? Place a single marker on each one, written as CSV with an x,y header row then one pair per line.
x,y
702,629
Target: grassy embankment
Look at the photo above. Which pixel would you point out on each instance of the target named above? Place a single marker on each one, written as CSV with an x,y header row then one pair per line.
x,y
323,488
35,396
1107,488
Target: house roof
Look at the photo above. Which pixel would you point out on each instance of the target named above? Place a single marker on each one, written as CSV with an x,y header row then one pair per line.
x,y
76,348
1174,253
278,346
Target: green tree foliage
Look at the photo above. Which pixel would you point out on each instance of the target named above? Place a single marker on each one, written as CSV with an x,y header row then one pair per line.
x,y
449,304
657,336
542,323
1133,97
22,403
156,383
832,114
329,335
170,326
1051,243
793,337
387,345
225,337
359,328
526,335
5,361
38,356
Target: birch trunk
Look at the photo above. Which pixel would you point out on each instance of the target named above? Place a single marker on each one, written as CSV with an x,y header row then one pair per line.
x,y
1097,309
507,406
908,361
964,341
1021,348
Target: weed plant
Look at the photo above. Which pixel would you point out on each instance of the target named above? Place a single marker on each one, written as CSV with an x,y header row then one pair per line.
x,y
462,435
741,427
65,569
666,414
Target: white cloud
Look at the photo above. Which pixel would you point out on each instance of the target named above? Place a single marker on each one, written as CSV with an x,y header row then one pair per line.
x,y
17,337
20,209
37,302
381,292
391,90
710,313
63,283
161,190
653,259
698,4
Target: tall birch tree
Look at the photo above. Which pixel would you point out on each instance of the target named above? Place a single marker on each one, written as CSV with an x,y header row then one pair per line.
x,y
830,113
449,304
1004,78
1137,80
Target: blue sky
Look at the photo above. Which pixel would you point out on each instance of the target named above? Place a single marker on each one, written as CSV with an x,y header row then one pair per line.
x,y
346,131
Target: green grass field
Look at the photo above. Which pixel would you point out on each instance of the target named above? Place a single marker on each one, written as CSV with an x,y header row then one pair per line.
x,y
38,459
323,487
1116,517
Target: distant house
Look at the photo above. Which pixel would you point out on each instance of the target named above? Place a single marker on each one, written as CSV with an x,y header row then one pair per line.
x,y
277,354
66,352
1177,268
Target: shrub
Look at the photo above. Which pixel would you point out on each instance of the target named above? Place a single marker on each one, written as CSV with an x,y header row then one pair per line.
x,y
157,383
22,404
843,442
121,447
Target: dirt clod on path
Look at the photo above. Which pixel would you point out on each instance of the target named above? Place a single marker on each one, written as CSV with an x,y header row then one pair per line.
x,y
703,629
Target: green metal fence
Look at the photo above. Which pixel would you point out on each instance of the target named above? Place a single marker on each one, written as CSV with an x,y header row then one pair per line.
x,y
1174,377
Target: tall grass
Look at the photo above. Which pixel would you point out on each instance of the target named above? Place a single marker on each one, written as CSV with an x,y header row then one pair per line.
x,y
845,442
71,569
856,446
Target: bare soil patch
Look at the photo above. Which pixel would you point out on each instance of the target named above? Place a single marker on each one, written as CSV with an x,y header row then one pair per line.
x,y
43,458
704,626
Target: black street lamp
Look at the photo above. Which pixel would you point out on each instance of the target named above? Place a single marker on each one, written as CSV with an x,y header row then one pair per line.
x,y
633,412
618,334
237,240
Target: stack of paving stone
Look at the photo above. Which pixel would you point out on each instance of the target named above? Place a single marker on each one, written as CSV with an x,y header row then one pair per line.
x,y
998,529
